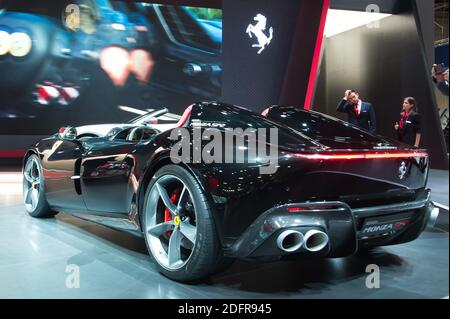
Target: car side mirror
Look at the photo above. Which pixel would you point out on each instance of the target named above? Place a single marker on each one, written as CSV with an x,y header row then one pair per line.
x,y
68,133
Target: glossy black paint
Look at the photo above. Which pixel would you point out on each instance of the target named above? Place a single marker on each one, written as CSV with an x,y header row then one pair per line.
x,y
114,173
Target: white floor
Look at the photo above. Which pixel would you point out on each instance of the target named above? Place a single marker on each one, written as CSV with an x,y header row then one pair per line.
x,y
37,260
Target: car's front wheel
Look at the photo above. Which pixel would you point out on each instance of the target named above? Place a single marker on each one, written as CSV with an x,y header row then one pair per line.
x,y
33,189
178,226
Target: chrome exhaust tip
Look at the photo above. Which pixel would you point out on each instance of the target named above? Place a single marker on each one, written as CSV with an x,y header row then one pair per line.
x,y
315,240
290,240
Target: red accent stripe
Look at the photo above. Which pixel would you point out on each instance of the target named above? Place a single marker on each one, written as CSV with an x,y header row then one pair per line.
x,y
316,57
185,116
296,209
12,154
351,156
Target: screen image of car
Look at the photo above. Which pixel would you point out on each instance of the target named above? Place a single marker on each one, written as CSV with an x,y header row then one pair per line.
x,y
86,61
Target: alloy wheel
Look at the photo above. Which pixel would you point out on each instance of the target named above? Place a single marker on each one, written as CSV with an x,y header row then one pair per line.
x,y
31,185
171,229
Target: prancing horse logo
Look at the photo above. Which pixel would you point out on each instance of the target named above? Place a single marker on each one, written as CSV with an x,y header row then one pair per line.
x,y
402,170
258,30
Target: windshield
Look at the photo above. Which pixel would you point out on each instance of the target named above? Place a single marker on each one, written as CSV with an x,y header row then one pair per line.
x,y
160,115
139,118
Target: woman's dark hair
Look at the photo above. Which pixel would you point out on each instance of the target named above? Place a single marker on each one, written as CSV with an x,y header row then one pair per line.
x,y
411,101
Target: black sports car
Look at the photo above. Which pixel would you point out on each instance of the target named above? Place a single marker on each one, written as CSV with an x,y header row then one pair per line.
x,y
336,189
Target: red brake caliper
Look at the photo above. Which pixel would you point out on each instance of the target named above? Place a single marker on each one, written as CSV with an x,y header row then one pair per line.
x,y
173,199
167,215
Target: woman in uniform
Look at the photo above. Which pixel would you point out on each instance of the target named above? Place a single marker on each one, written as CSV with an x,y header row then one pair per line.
x,y
408,128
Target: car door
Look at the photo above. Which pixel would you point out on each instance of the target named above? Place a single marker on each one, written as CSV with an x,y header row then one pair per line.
x,y
60,166
106,172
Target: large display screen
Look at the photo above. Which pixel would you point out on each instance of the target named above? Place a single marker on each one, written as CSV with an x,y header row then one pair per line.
x,y
84,62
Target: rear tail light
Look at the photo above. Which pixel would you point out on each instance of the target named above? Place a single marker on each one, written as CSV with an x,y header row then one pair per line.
x,y
296,209
353,156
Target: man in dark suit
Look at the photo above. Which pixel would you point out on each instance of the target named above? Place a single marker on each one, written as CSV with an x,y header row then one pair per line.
x,y
440,78
361,114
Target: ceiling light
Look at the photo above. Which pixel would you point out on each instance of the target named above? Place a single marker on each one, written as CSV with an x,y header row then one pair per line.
x,y
339,21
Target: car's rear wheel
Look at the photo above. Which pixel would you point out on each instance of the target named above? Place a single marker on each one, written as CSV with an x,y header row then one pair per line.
x,y
178,226
33,189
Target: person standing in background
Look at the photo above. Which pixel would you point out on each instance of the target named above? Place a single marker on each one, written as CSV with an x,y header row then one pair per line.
x,y
440,78
408,128
361,114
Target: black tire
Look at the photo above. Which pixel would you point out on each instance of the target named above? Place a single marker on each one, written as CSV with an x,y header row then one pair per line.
x,y
222,264
206,254
42,209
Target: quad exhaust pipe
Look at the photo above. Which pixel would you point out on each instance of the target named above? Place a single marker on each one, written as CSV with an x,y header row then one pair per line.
x,y
292,240
315,240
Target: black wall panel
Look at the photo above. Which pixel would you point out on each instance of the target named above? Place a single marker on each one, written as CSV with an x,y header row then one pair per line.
x,y
250,79
281,71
